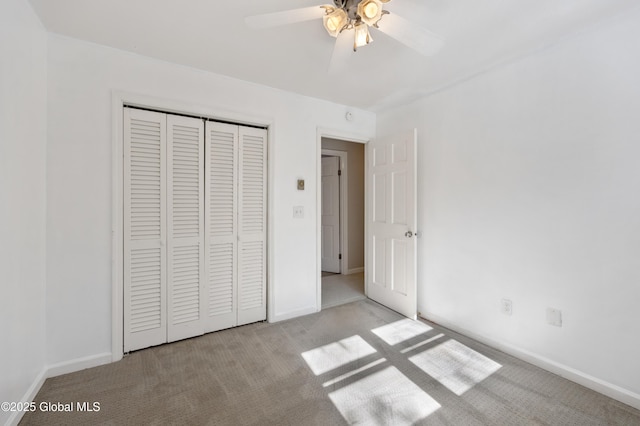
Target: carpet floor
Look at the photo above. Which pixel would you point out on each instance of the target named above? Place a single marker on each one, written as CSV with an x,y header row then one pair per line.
x,y
354,363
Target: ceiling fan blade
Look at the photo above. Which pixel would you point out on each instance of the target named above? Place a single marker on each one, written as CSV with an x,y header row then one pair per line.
x,y
342,51
269,20
419,39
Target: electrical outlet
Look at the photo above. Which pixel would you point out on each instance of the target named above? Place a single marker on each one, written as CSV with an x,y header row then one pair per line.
x,y
554,317
506,306
298,212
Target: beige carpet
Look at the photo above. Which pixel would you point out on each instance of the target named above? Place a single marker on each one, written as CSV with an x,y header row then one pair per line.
x,y
354,363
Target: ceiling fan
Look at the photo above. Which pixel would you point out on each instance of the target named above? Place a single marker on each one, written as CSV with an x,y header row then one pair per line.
x,y
349,21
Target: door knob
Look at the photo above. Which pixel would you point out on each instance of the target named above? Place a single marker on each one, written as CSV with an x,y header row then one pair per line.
x,y
408,234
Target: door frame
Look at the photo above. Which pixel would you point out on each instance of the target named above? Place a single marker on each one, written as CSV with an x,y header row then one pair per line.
x,y
344,206
118,101
347,137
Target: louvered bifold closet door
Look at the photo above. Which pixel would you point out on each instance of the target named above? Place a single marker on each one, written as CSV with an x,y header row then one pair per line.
x,y
252,226
185,219
145,316
221,241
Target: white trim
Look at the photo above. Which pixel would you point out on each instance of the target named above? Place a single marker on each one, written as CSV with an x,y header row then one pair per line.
x,y
367,214
29,396
57,370
271,301
118,100
344,206
293,314
78,364
117,246
608,389
349,137
354,270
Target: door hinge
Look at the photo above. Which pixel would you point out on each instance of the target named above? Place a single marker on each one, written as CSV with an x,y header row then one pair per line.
x,y
339,172
340,256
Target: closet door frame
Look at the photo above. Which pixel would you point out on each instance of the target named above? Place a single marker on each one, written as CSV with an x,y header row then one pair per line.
x,y
120,100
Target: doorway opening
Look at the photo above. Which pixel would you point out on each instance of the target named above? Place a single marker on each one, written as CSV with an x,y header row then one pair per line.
x,y
342,222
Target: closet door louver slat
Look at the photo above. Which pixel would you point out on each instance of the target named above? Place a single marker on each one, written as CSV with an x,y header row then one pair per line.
x,y
185,197
221,146
145,280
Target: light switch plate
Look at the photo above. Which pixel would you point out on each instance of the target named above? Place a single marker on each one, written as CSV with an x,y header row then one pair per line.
x,y
300,184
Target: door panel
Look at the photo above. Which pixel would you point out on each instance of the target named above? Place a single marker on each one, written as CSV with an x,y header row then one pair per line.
x,y
379,266
398,204
399,254
252,225
331,214
221,240
185,202
392,227
145,254
379,198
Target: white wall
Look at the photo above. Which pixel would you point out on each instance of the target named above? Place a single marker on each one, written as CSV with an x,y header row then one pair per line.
x,y
23,95
529,189
81,78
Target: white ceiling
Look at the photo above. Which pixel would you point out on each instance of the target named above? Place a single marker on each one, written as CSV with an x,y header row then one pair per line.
x,y
211,35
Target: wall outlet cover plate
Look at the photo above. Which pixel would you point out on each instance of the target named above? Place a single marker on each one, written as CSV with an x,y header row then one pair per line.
x,y
554,317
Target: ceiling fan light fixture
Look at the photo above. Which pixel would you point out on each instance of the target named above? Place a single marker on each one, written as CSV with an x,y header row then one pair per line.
x,y
370,11
362,36
334,21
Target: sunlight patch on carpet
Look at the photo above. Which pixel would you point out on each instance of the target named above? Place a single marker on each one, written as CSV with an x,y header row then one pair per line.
x,y
400,331
386,397
455,366
336,354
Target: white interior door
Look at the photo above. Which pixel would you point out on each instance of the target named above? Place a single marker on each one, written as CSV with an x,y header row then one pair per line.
x,y
185,202
145,251
392,215
252,225
331,214
221,241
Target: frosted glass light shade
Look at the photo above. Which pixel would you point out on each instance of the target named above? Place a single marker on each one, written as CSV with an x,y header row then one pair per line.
x,y
335,21
362,37
370,11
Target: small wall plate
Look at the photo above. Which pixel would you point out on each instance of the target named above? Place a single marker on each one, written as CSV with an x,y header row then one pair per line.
x,y
300,184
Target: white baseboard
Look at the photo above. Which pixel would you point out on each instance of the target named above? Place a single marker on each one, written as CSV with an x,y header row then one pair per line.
x,y
612,391
29,396
78,364
354,271
58,370
293,314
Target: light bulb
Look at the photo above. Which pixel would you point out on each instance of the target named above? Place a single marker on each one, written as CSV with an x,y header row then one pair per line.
x,y
335,21
362,36
331,24
371,10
